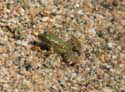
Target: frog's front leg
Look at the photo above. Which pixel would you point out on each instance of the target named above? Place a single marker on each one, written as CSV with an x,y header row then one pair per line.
x,y
48,52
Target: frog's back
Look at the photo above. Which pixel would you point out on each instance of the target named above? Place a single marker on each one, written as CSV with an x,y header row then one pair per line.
x,y
53,41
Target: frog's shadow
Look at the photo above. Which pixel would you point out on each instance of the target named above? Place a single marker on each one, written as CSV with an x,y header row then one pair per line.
x,y
41,45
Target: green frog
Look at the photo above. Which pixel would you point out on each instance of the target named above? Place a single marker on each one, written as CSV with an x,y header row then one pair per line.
x,y
69,50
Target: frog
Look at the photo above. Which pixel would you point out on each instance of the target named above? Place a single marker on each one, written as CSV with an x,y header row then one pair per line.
x,y
69,50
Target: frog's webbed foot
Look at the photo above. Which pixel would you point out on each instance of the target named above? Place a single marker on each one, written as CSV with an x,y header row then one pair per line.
x,y
70,58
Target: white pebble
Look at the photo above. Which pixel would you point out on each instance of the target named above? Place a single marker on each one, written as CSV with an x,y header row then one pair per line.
x,y
80,12
77,5
92,31
106,89
110,45
45,19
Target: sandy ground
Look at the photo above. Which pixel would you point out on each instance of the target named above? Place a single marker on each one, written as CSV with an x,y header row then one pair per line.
x,y
99,25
